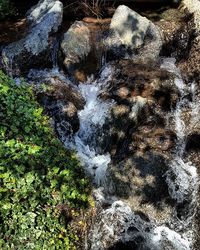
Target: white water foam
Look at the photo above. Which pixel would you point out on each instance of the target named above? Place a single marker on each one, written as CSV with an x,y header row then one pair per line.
x,y
182,178
185,185
91,118
120,224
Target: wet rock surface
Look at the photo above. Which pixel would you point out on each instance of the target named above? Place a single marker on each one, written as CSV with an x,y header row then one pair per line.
x,y
34,49
143,95
134,124
61,100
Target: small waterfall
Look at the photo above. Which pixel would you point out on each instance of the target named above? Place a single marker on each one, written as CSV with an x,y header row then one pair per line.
x,y
117,223
54,53
182,177
92,117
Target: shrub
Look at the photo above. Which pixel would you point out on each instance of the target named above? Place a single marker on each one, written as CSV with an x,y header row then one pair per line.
x,y
39,180
6,9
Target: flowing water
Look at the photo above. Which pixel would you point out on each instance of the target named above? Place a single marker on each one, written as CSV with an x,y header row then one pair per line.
x,y
117,223
54,52
91,118
184,188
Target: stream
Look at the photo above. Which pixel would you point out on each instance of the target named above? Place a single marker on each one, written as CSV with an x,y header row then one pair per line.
x,y
118,222
133,120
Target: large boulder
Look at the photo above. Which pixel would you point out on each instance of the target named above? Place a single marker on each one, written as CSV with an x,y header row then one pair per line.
x,y
128,28
132,36
76,44
136,179
35,48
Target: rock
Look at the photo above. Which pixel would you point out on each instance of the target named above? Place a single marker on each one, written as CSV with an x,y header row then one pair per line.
x,y
59,87
144,80
83,49
193,7
34,49
136,179
61,100
64,114
150,51
76,44
132,35
119,224
191,65
143,95
66,93
128,28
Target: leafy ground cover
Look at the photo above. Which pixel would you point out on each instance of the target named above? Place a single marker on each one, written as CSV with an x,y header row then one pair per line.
x,y
6,9
42,186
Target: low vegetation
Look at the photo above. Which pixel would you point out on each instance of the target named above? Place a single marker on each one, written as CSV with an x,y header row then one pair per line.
x,y
6,9
42,187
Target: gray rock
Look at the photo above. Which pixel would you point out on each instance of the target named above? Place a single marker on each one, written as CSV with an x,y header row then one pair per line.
x,y
127,28
76,44
133,36
34,49
152,45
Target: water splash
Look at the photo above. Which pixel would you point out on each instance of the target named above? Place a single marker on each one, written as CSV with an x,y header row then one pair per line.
x,y
120,224
92,118
182,178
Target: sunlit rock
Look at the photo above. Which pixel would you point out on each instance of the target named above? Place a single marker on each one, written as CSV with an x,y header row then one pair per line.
x,y
35,48
76,44
128,28
129,32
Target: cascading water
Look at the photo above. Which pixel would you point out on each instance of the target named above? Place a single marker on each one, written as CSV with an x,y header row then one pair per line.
x,y
54,52
182,177
92,117
118,223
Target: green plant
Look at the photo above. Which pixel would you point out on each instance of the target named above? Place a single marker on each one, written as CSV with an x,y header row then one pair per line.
x,y
40,182
6,9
